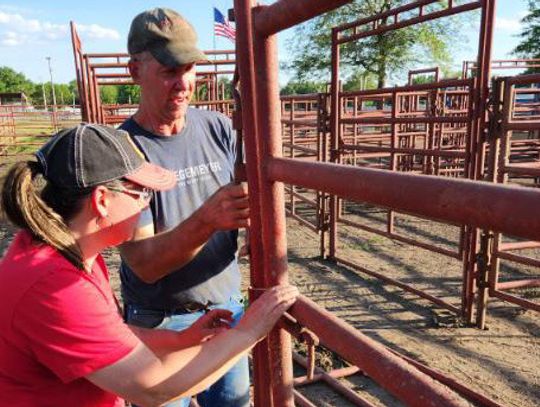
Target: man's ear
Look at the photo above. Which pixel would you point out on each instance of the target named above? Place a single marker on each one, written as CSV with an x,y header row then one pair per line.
x,y
100,201
134,68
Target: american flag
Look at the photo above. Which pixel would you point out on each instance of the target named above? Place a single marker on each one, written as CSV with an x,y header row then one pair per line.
x,y
222,27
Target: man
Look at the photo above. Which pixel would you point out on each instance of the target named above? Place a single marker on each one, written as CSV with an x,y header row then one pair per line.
x,y
182,260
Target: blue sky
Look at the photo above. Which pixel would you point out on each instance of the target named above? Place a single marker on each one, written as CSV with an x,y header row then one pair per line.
x,y
31,30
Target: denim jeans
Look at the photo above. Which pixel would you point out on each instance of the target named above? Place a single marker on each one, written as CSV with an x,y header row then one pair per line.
x,y
232,389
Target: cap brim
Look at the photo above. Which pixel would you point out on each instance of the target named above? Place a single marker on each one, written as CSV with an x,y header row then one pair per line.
x,y
154,177
170,56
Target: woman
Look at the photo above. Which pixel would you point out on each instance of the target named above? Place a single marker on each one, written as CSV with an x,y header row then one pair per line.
x,y
62,340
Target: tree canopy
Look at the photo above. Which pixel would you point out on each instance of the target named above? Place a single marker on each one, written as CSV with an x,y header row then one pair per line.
x,y
11,81
377,55
529,47
37,93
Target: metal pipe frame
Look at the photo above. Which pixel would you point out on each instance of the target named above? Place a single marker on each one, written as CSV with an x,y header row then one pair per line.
x,y
395,375
500,169
272,169
500,64
455,201
438,123
331,380
435,71
402,17
92,73
463,196
305,129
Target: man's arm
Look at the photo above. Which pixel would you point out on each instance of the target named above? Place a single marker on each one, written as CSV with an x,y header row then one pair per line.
x,y
152,257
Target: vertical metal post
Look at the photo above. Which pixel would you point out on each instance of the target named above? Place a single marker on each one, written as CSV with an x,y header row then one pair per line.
x,y
292,140
479,100
272,205
334,138
393,157
498,159
245,60
322,147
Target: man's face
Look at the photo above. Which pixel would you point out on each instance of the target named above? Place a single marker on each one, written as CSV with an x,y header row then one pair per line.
x,y
165,91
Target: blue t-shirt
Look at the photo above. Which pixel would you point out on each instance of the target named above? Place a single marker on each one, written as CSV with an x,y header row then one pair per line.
x,y
202,155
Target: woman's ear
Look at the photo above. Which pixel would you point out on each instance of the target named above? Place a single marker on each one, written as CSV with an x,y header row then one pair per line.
x,y
100,201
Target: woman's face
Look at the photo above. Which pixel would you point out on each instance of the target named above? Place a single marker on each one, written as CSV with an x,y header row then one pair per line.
x,y
127,200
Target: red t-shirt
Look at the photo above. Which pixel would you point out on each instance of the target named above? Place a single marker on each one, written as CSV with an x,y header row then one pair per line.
x,y
57,325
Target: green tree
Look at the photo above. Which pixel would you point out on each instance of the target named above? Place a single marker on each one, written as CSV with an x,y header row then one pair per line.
x,y
129,94
36,96
11,81
227,84
302,87
529,47
376,55
360,80
64,95
109,94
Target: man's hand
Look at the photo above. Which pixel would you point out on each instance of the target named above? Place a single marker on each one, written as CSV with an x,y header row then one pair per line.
x,y
227,209
211,324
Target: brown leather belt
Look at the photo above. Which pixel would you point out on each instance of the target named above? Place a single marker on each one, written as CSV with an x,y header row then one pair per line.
x,y
188,308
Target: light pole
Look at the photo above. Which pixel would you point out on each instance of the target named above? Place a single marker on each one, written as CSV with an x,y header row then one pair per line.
x,y
44,96
52,83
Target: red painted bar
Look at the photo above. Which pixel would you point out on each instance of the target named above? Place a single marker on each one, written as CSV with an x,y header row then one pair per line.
x,y
399,284
244,41
402,380
518,246
334,374
301,400
445,83
330,379
450,382
407,193
515,300
271,196
404,239
509,285
412,21
283,14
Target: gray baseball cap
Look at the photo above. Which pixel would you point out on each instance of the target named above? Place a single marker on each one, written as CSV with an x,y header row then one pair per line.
x,y
90,154
168,36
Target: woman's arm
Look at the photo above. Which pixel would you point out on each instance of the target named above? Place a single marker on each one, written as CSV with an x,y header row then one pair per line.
x,y
163,341
147,379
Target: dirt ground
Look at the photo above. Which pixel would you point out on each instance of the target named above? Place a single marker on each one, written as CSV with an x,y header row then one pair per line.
x,y
502,362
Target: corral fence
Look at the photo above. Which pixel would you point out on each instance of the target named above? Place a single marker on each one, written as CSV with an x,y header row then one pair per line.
x,y
426,150
24,127
382,161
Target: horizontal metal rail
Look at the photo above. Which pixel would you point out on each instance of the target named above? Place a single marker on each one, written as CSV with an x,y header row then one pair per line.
x,y
331,380
404,239
397,150
283,14
387,92
395,375
403,286
457,201
515,300
422,16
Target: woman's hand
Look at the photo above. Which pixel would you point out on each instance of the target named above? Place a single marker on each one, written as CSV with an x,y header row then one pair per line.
x,y
211,324
263,314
